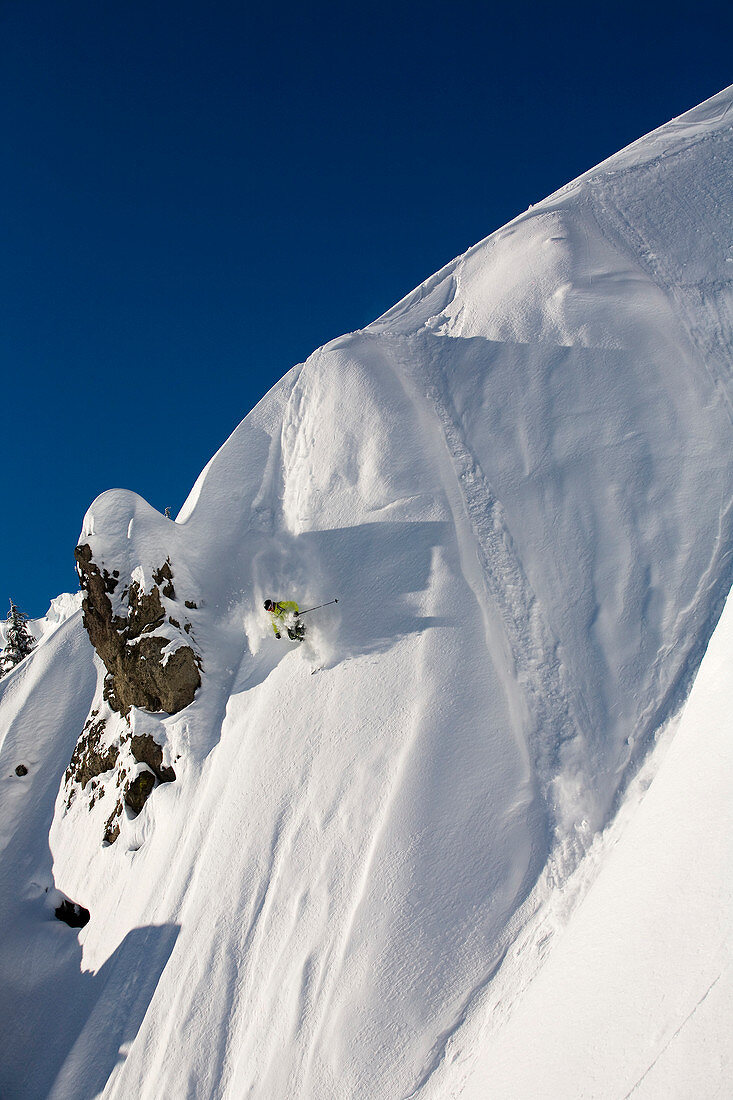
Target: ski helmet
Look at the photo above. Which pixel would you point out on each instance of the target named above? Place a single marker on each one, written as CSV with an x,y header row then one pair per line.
x,y
269,605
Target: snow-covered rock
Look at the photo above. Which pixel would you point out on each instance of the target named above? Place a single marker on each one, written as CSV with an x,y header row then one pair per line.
x,y
148,653
518,484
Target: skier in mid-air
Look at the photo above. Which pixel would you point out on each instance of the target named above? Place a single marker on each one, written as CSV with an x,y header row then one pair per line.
x,y
284,615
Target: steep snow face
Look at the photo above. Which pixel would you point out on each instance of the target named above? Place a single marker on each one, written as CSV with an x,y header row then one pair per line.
x,y
43,703
517,482
634,995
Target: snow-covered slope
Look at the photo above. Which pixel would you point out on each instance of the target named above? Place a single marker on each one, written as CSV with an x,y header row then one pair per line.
x,y
518,483
60,609
635,996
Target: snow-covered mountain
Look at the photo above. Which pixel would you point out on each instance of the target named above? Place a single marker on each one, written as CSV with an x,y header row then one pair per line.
x,y
470,801
60,609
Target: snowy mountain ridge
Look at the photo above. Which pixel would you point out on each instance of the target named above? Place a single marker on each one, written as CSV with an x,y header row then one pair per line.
x,y
60,609
517,482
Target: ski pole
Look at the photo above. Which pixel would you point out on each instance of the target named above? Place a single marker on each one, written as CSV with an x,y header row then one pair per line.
x,y
302,613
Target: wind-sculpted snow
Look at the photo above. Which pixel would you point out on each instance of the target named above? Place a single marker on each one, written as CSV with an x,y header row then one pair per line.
x,y
517,482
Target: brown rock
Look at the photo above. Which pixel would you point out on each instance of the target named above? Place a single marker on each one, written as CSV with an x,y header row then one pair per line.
x,y
164,577
139,790
89,759
146,611
147,751
139,675
112,828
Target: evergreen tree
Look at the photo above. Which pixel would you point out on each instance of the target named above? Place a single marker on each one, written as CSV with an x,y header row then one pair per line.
x,y
18,640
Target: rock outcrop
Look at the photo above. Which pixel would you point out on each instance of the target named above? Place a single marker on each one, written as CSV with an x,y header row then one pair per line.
x,y
147,653
71,913
112,826
91,758
147,751
138,791
114,766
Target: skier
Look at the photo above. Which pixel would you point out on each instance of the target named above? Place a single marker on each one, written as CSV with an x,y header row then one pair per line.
x,y
284,615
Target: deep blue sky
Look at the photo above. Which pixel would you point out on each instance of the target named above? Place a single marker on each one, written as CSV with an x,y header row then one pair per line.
x,y
194,196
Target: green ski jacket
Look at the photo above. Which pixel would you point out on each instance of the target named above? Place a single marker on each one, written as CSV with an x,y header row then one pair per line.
x,y
282,610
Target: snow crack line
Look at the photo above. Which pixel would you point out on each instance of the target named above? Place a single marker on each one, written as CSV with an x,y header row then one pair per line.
x,y
672,1038
533,648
